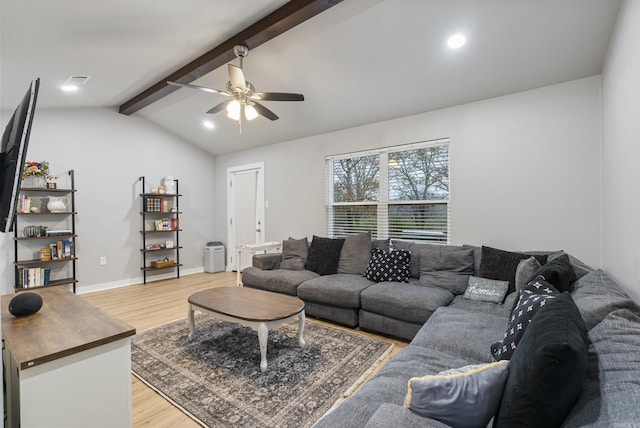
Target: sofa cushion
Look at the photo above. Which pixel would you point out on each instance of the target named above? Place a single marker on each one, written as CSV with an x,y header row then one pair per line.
x,y
415,247
534,297
294,253
392,415
547,369
609,395
596,295
486,290
525,272
410,302
278,280
339,290
446,269
502,265
324,255
392,266
467,397
462,334
558,272
355,254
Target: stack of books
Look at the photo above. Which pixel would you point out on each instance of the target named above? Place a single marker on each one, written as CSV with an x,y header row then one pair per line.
x,y
33,277
156,205
165,224
62,250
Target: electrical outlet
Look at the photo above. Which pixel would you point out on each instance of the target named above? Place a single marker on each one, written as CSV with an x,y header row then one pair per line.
x,y
103,261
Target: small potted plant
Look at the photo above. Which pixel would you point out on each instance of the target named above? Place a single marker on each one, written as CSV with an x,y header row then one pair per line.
x,y
34,174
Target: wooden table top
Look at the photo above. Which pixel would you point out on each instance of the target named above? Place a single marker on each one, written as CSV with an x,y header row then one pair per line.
x,y
66,324
247,303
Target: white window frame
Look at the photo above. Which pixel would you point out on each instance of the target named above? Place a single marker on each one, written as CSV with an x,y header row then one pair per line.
x,y
383,201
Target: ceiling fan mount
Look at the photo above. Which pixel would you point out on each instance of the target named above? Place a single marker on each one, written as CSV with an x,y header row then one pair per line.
x,y
242,93
240,51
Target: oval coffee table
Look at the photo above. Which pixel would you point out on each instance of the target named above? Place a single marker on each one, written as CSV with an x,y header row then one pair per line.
x,y
257,309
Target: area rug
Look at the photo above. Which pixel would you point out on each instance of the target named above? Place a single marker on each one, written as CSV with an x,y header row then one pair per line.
x,y
216,379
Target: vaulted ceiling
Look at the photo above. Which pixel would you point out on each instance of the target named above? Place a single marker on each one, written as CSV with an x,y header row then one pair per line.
x,y
358,62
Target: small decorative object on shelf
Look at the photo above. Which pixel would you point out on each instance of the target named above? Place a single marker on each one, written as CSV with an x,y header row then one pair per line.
x,y
45,254
34,174
160,215
169,184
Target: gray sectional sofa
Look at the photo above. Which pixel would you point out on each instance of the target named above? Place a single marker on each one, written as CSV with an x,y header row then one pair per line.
x,y
577,363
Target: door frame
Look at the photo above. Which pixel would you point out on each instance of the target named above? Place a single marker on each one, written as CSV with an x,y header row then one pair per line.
x,y
231,203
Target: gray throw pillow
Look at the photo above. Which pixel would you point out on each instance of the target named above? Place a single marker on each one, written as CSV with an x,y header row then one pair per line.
x,y
486,290
525,272
294,253
466,397
355,254
446,269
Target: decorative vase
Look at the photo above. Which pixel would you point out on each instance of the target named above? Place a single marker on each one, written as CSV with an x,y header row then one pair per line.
x,y
33,181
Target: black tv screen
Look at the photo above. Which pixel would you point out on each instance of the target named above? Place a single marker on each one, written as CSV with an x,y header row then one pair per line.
x,y
13,153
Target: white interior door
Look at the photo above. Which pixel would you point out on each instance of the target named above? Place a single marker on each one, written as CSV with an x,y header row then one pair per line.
x,y
245,210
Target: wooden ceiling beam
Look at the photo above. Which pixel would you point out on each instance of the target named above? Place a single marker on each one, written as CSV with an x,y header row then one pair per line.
x,y
286,17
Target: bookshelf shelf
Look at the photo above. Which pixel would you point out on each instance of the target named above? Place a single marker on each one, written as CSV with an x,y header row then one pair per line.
x,y
33,273
160,211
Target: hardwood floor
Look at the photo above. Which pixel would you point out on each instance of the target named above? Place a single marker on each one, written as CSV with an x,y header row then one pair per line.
x,y
148,305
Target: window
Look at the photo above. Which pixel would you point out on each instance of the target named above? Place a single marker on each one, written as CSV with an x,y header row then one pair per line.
x,y
399,192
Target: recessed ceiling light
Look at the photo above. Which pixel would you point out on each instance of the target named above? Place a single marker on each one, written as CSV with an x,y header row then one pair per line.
x,y
69,88
208,124
456,41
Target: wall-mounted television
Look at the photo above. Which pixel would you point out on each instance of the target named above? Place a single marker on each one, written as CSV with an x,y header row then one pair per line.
x,y
13,154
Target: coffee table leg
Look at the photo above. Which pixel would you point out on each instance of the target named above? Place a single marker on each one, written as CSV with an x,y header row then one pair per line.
x,y
192,323
301,328
263,339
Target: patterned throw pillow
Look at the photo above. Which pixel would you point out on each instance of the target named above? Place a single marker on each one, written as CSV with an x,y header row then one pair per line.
x,y
533,297
388,266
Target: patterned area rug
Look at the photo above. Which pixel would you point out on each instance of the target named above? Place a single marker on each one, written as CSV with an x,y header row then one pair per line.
x,y
216,378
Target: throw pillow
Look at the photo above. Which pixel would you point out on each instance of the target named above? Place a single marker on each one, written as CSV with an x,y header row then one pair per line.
x,y
525,272
355,254
446,269
467,397
486,290
383,244
388,266
558,272
324,255
294,253
502,265
533,297
548,369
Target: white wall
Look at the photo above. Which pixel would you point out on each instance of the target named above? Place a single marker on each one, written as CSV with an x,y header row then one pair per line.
x,y
525,170
108,152
621,151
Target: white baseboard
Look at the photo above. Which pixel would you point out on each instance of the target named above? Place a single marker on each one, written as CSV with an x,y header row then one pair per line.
x,y
132,281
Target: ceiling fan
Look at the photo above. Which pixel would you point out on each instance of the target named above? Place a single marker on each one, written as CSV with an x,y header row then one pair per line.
x,y
243,96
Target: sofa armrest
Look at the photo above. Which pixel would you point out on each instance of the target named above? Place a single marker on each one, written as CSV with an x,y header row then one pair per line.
x,y
268,261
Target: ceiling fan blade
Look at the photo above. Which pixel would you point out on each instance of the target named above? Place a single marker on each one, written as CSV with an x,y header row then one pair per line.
x,y
219,107
200,88
265,111
236,77
277,96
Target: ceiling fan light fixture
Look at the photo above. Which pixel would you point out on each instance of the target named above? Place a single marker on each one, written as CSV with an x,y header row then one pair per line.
x,y
233,110
250,112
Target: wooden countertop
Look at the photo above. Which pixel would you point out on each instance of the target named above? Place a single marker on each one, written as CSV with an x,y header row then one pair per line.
x,y
66,324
